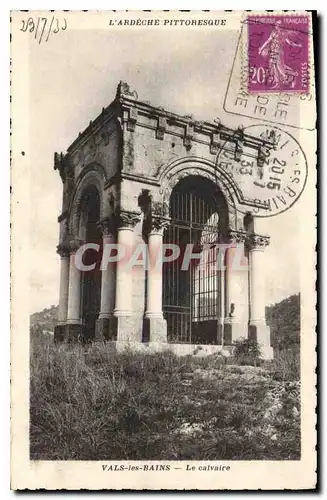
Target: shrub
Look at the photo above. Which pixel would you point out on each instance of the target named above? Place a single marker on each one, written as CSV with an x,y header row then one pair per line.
x,y
246,351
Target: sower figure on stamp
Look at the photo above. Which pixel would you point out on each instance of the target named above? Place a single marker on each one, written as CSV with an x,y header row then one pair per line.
x,y
273,48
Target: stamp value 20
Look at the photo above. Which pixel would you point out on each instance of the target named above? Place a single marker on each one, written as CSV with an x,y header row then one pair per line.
x,y
278,53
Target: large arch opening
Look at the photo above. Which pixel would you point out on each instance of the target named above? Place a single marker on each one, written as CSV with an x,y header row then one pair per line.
x,y
91,280
192,293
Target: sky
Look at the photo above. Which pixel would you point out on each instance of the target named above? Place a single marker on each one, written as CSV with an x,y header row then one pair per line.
x,y
74,75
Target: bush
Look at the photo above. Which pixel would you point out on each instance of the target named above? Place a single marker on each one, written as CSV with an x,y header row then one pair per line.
x,y
247,351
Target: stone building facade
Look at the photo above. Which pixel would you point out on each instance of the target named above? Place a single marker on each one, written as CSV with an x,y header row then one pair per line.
x,y
138,173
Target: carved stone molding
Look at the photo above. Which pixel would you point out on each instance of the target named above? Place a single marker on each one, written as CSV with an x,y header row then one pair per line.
x,y
263,153
124,89
63,249
132,119
63,163
176,174
214,144
173,177
159,223
239,136
159,209
161,127
236,237
188,136
90,176
127,219
269,136
257,242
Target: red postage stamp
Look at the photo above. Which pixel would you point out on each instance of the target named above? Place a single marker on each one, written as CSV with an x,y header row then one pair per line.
x,y
278,53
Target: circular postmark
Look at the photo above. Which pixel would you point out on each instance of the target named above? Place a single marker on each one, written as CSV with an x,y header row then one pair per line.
x,y
272,186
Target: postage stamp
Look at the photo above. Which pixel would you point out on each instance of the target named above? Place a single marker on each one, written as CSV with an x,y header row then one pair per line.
x,y
278,53
250,92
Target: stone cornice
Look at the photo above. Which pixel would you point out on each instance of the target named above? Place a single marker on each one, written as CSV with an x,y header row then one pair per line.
x,y
106,115
212,132
127,105
113,110
131,177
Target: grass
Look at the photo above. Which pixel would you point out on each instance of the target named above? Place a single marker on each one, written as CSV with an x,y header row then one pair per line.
x,y
95,404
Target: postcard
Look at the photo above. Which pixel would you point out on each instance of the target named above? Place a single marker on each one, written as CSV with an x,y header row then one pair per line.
x,y
163,250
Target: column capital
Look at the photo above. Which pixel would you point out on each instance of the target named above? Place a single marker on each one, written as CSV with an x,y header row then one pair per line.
x,y
236,237
127,219
63,250
158,223
257,242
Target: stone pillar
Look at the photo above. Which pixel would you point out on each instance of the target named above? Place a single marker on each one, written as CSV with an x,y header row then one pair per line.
x,y
74,321
125,326
155,325
258,328
221,296
105,328
235,322
59,330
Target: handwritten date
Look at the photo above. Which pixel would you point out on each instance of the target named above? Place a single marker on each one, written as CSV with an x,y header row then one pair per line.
x,y
42,27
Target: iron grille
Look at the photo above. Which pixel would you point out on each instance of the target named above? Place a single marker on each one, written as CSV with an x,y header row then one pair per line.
x,y
191,295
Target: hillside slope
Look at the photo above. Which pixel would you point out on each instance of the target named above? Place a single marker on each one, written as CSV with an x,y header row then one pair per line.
x,y
284,319
44,320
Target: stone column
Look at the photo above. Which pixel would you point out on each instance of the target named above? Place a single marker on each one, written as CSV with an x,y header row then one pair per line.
x,y
105,328
258,328
154,324
221,296
59,330
74,321
123,312
236,319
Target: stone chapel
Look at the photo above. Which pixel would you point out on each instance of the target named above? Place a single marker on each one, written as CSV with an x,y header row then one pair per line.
x,y
139,173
